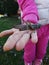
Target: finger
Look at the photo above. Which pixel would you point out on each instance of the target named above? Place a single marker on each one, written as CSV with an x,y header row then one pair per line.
x,y
22,42
34,37
11,41
8,32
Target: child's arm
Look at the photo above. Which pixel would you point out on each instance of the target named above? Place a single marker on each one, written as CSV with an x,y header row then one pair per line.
x,y
29,9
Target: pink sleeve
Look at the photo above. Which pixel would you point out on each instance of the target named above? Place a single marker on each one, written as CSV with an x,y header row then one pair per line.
x,y
29,9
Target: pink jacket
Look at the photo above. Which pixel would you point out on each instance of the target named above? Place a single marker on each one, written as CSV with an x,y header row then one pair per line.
x,y
29,9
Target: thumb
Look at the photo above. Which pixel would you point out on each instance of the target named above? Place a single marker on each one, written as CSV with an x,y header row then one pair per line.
x,y
34,37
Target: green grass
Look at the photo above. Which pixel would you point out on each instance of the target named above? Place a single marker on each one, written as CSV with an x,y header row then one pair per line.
x,y
13,57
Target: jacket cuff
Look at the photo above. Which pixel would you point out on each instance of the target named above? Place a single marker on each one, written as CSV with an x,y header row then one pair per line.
x,y
30,18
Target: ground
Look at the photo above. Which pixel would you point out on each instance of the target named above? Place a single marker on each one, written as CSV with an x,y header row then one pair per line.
x,y
13,57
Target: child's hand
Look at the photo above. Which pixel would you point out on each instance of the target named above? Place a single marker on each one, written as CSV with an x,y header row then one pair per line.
x,y
17,39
